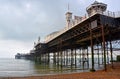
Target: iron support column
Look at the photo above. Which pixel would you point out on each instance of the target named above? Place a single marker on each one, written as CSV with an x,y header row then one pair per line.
x,y
61,58
103,38
98,55
111,51
48,58
75,59
71,58
92,50
87,58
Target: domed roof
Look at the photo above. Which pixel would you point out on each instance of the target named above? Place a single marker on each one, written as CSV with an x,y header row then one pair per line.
x,y
52,33
96,3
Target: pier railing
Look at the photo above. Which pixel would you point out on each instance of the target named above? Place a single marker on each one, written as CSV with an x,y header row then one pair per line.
x,y
107,13
112,14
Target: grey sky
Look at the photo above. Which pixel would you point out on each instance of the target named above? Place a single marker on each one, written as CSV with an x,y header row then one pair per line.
x,y
22,21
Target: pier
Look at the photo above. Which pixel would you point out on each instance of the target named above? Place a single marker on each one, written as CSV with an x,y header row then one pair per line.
x,y
84,40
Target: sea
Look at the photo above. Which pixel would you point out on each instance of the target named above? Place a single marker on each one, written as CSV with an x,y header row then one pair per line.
x,y
10,67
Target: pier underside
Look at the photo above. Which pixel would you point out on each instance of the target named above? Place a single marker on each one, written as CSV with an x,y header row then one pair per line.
x,y
88,45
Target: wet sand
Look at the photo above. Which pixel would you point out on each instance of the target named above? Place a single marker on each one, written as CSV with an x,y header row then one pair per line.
x,y
101,74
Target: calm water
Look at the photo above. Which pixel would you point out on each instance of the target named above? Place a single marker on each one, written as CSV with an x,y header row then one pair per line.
x,y
21,67
15,67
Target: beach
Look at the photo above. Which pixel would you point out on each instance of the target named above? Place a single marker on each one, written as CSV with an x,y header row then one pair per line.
x,y
100,74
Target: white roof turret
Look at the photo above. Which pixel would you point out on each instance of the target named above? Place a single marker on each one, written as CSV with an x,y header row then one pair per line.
x,y
96,7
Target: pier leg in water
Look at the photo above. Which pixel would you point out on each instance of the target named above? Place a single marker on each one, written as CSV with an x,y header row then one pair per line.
x,y
83,57
111,51
98,55
54,60
58,60
39,59
48,58
87,59
67,57
102,53
71,59
64,57
107,53
103,38
75,59
92,49
61,58
80,57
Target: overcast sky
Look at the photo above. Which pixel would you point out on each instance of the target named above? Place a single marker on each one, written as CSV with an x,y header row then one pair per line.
x,y
23,21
